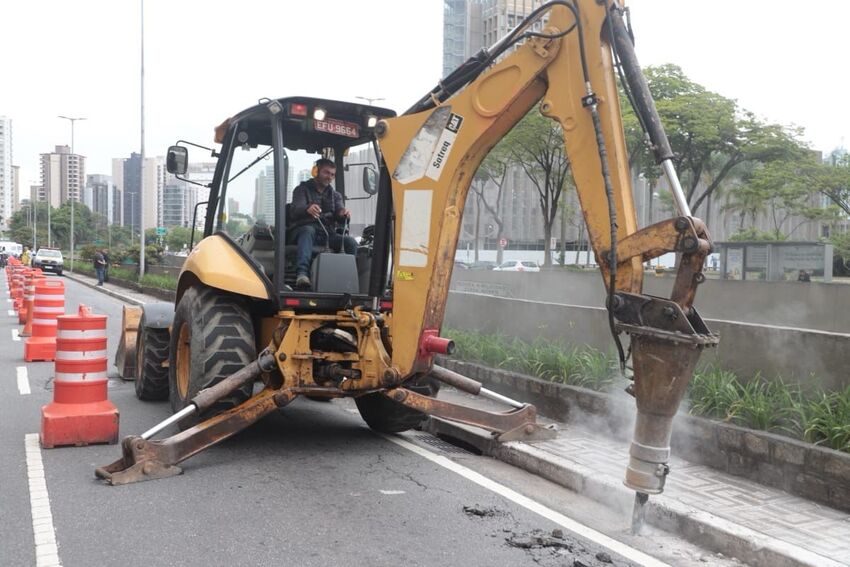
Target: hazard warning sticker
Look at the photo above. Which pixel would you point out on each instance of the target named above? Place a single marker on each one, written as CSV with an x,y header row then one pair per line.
x,y
444,147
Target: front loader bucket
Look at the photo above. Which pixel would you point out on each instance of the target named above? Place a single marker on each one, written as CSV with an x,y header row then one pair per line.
x,y
125,355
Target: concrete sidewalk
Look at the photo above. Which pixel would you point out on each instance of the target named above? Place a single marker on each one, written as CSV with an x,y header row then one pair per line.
x,y
757,524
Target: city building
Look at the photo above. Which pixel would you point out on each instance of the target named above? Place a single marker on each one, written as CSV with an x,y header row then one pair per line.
x,y
264,196
232,206
178,202
99,196
63,176
16,189
5,171
126,173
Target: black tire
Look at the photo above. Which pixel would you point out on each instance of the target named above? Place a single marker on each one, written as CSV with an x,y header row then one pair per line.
x,y
211,338
387,416
152,347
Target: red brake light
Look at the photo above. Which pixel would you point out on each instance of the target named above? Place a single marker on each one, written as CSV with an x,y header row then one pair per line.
x,y
292,302
298,109
386,305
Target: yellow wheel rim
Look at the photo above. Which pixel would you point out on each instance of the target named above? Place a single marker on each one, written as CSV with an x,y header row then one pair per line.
x,y
184,356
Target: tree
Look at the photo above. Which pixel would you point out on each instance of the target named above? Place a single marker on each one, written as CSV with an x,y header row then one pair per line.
x,y
832,180
781,192
492,173
709,134
178,238
536,144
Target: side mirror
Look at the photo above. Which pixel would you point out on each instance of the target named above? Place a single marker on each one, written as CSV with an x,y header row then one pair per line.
x,y
370,180
177,160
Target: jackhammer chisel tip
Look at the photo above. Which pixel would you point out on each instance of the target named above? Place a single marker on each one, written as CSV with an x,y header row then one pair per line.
x,y
639,512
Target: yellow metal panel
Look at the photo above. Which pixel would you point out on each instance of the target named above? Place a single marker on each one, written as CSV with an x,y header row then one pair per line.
x,y
488,108
216,264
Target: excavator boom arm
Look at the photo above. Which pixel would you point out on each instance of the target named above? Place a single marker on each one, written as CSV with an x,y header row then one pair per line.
x,y
433,152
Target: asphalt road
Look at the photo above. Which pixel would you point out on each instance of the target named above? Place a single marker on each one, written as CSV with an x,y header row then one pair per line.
x,y
309,485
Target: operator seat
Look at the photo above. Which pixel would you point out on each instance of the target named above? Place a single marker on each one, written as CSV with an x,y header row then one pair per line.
x,y
259,244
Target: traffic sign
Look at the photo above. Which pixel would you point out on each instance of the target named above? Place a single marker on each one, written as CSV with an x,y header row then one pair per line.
x,y
161,231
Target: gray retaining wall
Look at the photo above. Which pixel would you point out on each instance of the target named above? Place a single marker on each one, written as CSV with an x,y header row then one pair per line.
x,y
812,358
788,304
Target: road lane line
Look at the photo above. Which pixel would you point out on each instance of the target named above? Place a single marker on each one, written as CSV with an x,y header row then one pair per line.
x,y
529,504
15,335
44,534
23,381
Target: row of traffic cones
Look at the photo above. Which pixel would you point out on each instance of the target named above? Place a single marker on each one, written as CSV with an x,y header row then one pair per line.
x,y
80,413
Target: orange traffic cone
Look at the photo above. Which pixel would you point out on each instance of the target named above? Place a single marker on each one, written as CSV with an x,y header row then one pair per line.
x,y
48,305
29,300
80,413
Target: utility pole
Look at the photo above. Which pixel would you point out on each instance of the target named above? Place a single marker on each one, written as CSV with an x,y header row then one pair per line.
x,y
142,169
70,198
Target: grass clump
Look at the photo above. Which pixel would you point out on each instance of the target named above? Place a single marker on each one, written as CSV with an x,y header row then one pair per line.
x,y
159,281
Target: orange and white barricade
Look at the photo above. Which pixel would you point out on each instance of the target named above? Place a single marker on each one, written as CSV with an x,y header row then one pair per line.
x,y
29,294
18,287
49,304
29,300
80,413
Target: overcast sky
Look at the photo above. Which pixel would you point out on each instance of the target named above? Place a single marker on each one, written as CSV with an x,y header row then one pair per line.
x,y
207,60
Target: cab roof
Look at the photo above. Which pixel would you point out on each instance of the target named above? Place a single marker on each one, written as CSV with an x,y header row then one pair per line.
x,y
299,126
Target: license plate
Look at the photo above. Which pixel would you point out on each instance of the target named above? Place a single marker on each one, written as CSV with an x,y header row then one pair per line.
x,y
337,127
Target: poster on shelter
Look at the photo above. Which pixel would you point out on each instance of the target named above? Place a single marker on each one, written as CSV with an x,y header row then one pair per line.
x,y
734,264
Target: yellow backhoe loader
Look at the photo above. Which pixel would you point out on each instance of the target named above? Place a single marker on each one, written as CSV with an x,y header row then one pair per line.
x,y
369,327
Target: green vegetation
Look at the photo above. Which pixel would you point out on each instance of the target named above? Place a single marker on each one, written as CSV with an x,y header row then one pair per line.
x,y
159,281
587,368
779,407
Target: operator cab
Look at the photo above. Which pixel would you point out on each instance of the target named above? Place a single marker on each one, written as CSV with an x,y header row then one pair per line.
x,y
266,151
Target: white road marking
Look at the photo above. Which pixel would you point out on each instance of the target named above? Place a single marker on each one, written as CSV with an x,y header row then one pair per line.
x,y
15,335
46,549
13,313
392,492
529,504
23,381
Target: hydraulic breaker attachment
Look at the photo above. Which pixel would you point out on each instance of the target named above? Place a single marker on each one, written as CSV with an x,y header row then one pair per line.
x,y
125,355
518,424
666,342
148,460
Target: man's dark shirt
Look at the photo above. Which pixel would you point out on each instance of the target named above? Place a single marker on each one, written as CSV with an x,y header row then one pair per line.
x,y
305,195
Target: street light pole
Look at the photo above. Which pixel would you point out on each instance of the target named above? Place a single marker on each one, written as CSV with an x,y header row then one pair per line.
x,y
369,99
70,198
142,169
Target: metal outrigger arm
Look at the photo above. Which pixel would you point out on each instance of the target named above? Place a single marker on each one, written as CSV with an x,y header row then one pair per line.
x,y
143,459
148,460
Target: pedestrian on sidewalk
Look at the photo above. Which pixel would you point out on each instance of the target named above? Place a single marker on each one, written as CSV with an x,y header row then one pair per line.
x,y
99,267
105,253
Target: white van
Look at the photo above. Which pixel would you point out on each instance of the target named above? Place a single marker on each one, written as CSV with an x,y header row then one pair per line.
x,y
12,248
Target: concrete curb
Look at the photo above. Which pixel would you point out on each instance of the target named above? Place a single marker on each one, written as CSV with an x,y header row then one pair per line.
x,y
109,292
697,526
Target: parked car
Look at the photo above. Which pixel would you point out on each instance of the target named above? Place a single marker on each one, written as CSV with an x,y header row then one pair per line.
x,y
518,266
49,260
461,265
482,265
